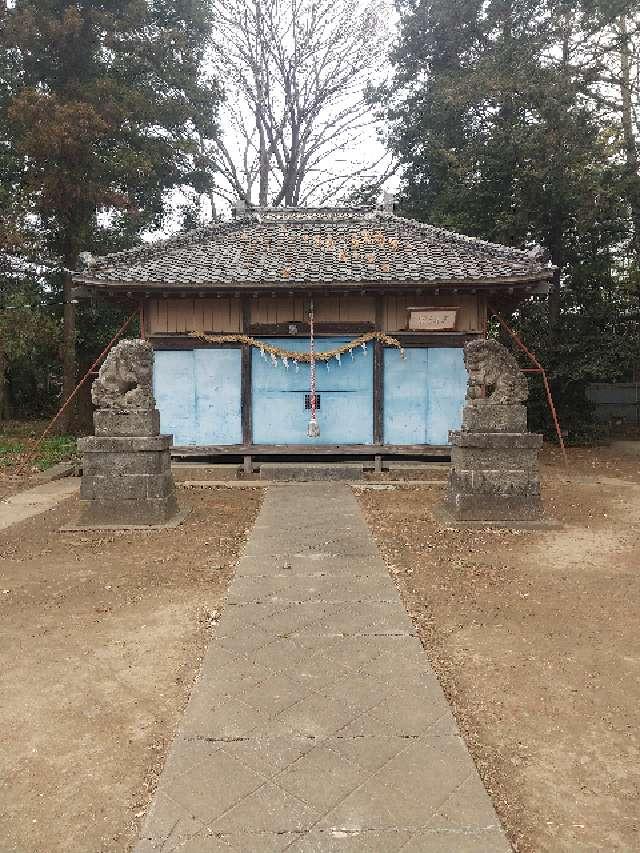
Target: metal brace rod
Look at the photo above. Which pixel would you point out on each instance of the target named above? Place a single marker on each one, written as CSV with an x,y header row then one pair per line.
x,y
537,368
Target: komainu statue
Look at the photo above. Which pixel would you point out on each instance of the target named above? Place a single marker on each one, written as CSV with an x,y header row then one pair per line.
x,y
125,378
494,374
494,478
126,465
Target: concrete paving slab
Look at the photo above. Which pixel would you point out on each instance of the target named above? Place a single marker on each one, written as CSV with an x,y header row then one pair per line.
x,y
317,723
37,500
339,841
487,841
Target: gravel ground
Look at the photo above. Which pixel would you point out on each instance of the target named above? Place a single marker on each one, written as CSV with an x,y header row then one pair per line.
x,y
534,636
101,638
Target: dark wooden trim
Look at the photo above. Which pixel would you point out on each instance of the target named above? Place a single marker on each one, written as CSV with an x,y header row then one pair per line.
x,y
180,341
281,330
257,450
184,342
246,395
378,393
437,339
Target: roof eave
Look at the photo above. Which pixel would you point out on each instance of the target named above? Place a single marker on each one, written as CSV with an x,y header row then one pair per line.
x,y
541,277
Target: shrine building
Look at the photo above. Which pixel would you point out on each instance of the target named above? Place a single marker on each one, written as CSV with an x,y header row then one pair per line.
x,y
229,307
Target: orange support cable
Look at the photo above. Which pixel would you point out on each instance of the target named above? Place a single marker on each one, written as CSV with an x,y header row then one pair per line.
x,y
538,368
36,444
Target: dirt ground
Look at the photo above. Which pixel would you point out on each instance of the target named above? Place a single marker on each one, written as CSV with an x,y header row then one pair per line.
x,y
100,639
535,638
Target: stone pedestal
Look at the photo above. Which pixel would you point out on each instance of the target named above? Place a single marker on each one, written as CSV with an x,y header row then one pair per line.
x,y
126,477
494,477
126,423
127,480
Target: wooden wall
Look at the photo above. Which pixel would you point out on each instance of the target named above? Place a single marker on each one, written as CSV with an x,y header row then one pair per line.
x,y
220,315
471,310
347,308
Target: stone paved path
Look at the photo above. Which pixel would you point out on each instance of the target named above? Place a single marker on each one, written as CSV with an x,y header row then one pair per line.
x,y
317,724
34,501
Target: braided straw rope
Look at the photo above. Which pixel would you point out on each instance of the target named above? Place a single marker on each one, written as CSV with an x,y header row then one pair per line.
x,y
301,357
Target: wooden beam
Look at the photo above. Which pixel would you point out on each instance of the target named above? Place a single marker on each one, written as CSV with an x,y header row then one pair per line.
x,y
435,339
246,395
180,341
370,450
281,330
185,342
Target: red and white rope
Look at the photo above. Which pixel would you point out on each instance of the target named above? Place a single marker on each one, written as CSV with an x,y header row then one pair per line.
x,y
312,355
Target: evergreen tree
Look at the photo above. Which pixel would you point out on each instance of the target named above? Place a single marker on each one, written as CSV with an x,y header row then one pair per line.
x,y
106,106
496,124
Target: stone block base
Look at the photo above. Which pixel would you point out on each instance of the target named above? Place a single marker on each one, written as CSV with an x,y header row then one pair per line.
x,y
499,508
487,417
127,513
127,481
306,473
111,422
494,477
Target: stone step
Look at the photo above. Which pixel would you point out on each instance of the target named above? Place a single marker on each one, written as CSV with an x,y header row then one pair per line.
x,y
307,472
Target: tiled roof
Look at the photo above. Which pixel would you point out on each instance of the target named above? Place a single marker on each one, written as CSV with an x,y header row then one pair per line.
x,y
308,246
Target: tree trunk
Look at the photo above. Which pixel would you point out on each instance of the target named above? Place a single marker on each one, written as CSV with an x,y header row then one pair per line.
x,y
69,361
632,182
557,229
554,302
5,413
263,179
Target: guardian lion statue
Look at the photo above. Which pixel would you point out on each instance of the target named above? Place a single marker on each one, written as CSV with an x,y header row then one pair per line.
x,y
494,374
125,378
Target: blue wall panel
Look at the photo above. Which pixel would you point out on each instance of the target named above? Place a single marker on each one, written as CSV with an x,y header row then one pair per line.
x,y
175,393
423,395
346,397
447,383
198,395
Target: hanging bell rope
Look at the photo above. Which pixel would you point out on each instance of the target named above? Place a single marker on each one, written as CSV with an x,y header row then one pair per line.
x,y
313,429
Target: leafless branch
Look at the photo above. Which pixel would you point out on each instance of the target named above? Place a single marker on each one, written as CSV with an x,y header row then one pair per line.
x,y
295,73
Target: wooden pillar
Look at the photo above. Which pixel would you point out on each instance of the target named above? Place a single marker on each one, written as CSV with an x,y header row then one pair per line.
x,y
380,321
246,314
378,376
246,397
143,324
378,393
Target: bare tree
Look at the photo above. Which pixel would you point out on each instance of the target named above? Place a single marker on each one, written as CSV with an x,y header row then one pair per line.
x,y
296,120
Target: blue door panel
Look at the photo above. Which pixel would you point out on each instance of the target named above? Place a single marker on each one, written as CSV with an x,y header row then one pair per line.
x,y
423,395
447,382
198,395
405,396
346,397
174,390
218,412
